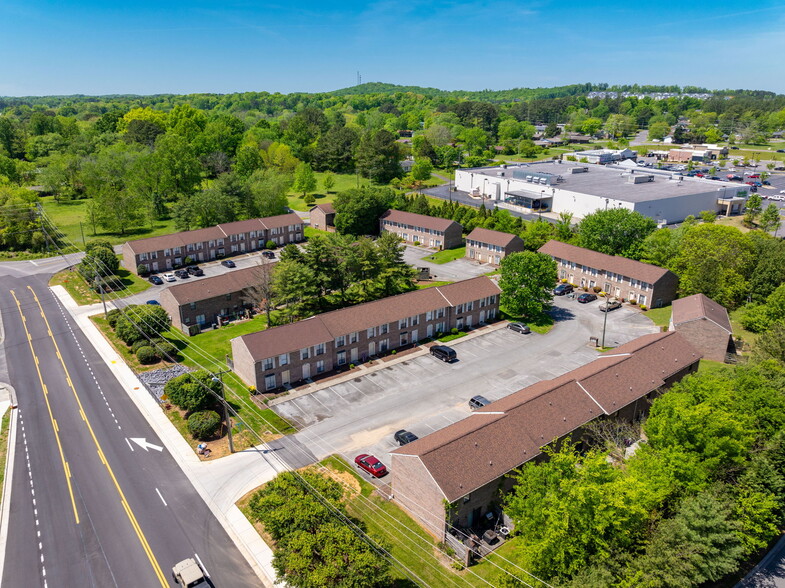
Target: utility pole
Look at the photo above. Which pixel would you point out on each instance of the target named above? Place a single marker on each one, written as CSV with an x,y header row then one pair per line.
x,y
225,404
81,230
43,228
605,319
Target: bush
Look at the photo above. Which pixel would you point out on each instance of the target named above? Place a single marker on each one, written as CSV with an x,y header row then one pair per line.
x,y
454,331
309,199
142,269
270,245
597,289
146,355
167,349
141,321
140,343
644,307
193,391
204,424
112,316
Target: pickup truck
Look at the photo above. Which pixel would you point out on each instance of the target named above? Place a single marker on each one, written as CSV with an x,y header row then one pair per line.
x,y
189,574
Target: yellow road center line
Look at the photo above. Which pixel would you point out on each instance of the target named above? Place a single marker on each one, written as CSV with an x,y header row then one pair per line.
x,y
131,517
49,408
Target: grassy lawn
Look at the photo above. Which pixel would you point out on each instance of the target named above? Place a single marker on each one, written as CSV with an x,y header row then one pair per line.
x,y
659,316
452,336
541,324
409,544
208,350
68,214
4,446
423,285
446,255
83,294
707,364
311,232
342,182
733,221
748,337
488,568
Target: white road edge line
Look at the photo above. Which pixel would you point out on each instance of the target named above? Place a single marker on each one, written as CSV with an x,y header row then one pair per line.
x,y
161,497
204,569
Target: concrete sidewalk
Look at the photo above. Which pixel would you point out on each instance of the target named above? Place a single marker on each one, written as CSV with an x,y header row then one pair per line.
x,y
220,483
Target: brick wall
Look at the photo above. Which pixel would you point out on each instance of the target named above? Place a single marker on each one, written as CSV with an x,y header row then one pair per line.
x,y
415,491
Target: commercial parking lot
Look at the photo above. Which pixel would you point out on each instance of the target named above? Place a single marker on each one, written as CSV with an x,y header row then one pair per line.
x,y
422,394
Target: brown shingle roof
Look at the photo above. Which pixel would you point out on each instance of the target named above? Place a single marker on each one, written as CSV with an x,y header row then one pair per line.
x,y
507,433
491,237
698,306
234,281
600,261
282,220
418,220
326,208
285,338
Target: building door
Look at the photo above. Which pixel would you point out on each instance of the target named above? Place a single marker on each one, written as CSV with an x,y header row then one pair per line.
x,y
429,331
415,338
306,371
155,266
285,378
469,322
482,316
353,355
371,348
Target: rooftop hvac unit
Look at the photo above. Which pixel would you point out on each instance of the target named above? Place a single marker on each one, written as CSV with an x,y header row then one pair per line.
x,y
528,178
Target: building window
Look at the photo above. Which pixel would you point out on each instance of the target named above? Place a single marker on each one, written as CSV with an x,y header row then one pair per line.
x,y
383,329
340,341
341,357
353,337
283,359
268,363
414,320
370,332
470,306
402,323
429,315
193,305
269,382
305,353
642,299
320,366
319,349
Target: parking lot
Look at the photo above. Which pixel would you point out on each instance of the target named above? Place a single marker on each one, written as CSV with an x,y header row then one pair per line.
x,y
459,269
422,394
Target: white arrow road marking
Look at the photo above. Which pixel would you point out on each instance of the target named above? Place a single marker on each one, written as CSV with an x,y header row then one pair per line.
x,y
161,497
142,442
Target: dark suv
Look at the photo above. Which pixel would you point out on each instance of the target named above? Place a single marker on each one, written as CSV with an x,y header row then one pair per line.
x,y
446,354
403,437
562,289
194,270
182,274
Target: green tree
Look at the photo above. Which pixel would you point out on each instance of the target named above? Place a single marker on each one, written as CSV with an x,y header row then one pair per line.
x,y
564,230
247,161
144,321
754,204
615,231
194,391
715,260
304,179
358,209
328,181
378,156
295,287
708,216
527,279
422,169
770,219
659,130
537,234
268,189
335,150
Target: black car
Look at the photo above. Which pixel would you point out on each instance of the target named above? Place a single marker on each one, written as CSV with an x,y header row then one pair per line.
x,y
519,328
228,263
194,270
182,274
562,289
268,254
403,437
446,354
609,305
587,297
155,279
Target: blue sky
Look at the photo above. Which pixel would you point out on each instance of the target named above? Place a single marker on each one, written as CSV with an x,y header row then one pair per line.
x,y
91,47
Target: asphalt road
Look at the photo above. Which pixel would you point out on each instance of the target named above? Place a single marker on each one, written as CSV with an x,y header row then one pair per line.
x,y
89,507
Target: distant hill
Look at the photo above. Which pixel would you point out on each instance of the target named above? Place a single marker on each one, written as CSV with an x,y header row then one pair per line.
x,y
485,95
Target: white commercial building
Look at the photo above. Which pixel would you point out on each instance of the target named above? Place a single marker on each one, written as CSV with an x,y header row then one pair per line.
x,y
581,188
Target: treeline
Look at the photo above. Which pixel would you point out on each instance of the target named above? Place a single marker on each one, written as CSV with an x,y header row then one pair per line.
x,y
702,494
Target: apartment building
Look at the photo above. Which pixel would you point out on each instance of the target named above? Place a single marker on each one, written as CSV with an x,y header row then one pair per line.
x,y
467,464
705,324
168,251
323,217
428,231
196,304
487,246
623,278
280,356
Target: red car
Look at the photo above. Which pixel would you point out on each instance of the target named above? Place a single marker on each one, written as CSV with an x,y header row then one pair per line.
x,y
371,465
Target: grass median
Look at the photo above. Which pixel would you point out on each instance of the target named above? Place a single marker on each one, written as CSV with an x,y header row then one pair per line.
x,y
4,424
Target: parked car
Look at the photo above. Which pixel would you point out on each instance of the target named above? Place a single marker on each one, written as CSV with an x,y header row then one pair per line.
x,y
194,270
734,178
228,263
519,328
478,401
562,289
766,183
153,303
610,304
587,297
268,254
169,277
446,354
182,274
155,279
371,465
403,437
780,150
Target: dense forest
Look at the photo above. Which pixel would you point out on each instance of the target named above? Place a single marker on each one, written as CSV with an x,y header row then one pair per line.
x,y
200,159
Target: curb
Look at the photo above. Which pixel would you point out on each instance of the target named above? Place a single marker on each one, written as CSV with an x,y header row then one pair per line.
x,y
5,504
181,452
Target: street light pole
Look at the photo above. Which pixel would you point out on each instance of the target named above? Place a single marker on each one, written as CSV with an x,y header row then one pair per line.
x,y
225,404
